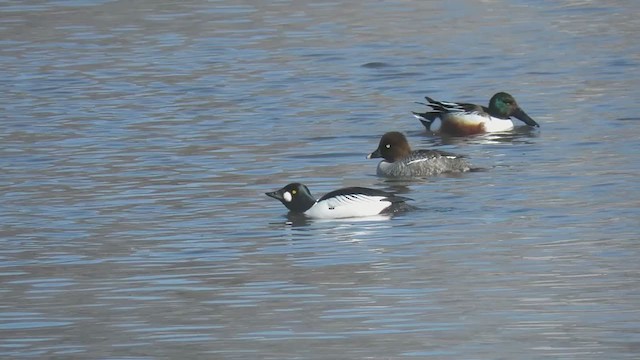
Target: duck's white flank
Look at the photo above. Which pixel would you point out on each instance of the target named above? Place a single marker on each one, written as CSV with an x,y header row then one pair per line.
x,y
344,206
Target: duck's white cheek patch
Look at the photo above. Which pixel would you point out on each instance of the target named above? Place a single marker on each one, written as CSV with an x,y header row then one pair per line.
x,y
287,196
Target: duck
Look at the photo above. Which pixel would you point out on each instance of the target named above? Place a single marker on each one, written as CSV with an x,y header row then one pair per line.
x,y
462,119
342,203
399,161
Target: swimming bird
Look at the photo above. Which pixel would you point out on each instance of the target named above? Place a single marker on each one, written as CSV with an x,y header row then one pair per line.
x,y
401,162
342,203
460,119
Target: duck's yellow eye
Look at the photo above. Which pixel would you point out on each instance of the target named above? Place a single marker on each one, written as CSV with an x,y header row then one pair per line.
x,y
293,192
388,146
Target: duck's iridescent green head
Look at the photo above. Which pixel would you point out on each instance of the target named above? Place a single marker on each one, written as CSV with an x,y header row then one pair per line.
x,y
295,196
503,105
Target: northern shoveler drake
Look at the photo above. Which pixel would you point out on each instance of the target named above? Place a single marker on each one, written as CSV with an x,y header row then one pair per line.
x,y
460,119
399,161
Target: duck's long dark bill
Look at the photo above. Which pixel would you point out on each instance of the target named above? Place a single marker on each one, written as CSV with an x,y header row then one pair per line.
x,y
520,114
275,195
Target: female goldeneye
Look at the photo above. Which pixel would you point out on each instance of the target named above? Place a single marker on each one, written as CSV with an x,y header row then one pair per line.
x,y
460,119
342,203
400,161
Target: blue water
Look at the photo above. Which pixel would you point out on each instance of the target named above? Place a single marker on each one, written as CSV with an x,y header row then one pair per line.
x,y
138,139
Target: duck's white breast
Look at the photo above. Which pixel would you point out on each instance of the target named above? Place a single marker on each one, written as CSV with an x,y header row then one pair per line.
x,y
385,168
497,125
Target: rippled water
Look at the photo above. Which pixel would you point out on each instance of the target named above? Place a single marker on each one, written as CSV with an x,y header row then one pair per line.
x,y
138,139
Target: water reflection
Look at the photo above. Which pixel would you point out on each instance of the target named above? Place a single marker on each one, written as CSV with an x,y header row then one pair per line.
x,y
300,220
519,135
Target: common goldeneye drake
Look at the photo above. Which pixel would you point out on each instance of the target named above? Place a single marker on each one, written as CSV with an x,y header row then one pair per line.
x,y
460,119
343,203
399,161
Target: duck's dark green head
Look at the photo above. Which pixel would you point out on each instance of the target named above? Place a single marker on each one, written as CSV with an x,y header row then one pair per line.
x,y
295,196
503,105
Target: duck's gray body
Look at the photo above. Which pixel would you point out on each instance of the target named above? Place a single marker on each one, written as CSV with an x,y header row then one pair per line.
x,y
423,163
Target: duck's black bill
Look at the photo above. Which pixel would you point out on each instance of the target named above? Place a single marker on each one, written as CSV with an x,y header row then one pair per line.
x,y
520,114
375,154
274,194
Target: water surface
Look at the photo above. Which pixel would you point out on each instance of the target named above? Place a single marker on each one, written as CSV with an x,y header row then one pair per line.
x,y
139,139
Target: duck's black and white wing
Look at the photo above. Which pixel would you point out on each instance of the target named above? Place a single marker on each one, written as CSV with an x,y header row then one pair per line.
x,y
433,162
353,202
455,107
427,155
